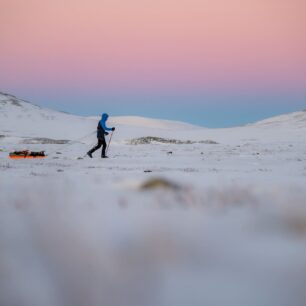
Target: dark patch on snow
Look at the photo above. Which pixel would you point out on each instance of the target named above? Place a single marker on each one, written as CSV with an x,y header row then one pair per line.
x,y
10,99
159,183
64,112
39,140
5,166
152,139
7,95
14,102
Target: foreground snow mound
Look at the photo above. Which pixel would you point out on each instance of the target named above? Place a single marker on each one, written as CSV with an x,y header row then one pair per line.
x,y
164,245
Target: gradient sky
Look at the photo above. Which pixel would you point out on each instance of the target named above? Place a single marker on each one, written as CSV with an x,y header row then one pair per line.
x,y
210,62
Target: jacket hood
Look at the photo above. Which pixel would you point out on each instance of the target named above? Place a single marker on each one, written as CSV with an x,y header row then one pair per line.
x,y
104,117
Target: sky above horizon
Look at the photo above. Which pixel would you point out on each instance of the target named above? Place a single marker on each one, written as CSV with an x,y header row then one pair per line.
x,y
209,62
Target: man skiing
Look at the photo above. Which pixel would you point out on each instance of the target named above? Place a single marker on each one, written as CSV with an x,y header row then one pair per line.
x,y
101,132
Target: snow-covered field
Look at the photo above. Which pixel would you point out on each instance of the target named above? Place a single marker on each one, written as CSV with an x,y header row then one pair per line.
x,y
219,219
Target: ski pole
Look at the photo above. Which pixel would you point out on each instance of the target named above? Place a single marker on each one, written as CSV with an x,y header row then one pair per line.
x,y
110,139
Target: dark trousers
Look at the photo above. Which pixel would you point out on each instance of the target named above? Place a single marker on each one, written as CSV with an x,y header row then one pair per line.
x,y
101,142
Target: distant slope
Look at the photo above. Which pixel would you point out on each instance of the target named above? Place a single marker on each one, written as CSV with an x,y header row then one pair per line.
x,y
150,123
296,119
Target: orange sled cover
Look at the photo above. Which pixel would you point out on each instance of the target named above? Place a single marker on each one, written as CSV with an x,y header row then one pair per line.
x,y
23,157
26,154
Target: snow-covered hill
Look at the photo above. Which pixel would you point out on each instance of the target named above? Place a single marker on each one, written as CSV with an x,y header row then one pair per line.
x,y
292,120
19,118
22,119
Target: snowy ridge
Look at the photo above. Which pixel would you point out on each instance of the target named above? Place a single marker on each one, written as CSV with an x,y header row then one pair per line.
x,y
22,118
296,119
144,122
150,123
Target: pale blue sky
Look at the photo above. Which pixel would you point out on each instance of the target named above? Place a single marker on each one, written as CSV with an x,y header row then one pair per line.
x,y
205,109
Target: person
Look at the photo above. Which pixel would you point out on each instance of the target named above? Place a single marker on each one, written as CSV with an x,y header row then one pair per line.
x,y
101,132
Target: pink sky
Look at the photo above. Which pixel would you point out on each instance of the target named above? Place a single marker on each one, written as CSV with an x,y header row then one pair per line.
x,y
160,44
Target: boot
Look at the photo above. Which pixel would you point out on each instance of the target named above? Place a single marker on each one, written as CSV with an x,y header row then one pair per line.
x,y
89,154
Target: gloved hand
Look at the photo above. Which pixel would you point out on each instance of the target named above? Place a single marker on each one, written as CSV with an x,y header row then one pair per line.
x,y
106,133
113,129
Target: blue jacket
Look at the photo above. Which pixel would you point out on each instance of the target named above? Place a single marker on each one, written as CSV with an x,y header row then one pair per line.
x,y
102,128
103,122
